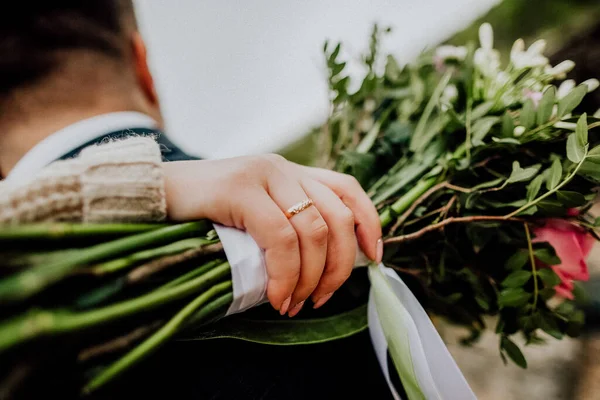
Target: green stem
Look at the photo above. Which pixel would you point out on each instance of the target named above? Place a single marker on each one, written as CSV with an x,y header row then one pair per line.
x,y
533,269
144,255
211,309
43,323
153,342
192,274
550,192
406,200
468,143
21,286
369,140
58,231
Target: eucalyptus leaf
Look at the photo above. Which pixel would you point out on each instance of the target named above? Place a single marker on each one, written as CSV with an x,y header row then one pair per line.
x,y
513,352
582,130
575,151
527,116
544,110
519,174
555,174
508,125
570,199
481,128
534,187
571,100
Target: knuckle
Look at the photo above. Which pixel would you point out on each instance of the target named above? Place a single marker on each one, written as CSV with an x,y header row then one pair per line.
x,y
275,158
287,237
319,232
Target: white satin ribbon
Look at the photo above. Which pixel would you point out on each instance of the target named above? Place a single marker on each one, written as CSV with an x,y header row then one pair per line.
x,y
436,372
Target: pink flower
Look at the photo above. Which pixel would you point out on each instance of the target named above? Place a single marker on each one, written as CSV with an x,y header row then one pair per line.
x,y
572,245
536,97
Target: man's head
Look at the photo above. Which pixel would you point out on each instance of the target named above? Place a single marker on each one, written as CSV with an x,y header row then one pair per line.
x,y
68,55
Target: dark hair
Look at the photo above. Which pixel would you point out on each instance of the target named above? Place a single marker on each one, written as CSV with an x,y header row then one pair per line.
x,y
34,35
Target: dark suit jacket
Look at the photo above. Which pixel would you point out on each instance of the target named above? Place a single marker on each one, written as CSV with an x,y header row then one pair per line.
x,y
234,370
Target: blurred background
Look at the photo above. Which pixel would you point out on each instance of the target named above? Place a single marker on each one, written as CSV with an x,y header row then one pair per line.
x,y
248,77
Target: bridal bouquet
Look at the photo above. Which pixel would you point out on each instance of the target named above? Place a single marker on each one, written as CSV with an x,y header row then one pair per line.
x,y
483,176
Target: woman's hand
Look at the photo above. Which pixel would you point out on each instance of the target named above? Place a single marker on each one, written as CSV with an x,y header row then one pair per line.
x,y
311,253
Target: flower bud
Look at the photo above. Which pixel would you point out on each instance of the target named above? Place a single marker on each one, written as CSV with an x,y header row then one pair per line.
x,y
450,94
565,88
518,131
592,84
517,48
370,105
562,68
486,36
537,47
448,52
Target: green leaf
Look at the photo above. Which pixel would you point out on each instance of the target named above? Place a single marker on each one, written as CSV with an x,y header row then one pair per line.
x,y
575,151
285,332
482,110
582,130
508,125
544,110
534,187
529,211
513,352
481,128
590,171
513,297
549,277
551,207
555,174
519,174
594,155
548,324
527,117
547,255
487,184
547,293
571,100
570,199
517,279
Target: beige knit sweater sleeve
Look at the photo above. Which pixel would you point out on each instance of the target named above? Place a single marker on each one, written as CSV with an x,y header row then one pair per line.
x,y
118,181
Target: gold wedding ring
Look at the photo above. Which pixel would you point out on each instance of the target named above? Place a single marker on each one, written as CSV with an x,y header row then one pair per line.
x,y
298,208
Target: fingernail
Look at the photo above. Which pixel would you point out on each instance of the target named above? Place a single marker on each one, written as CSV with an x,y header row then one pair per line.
x,y
285,305
322,300
379,250
296,309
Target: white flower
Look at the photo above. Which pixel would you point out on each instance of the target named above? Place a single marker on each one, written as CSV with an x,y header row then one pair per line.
x,y
537,47
561,69
565,88
518,131
370,105
486,36
592,84
566,125
517,48
448,52
487,61
449,94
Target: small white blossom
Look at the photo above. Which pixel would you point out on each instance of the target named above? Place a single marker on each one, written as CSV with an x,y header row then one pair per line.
x,y
487,61
592,84
561,69
565,88
370,105
566,125
366,124
448,52
486,36
519,130
517,48
537,47
449,94
597,113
